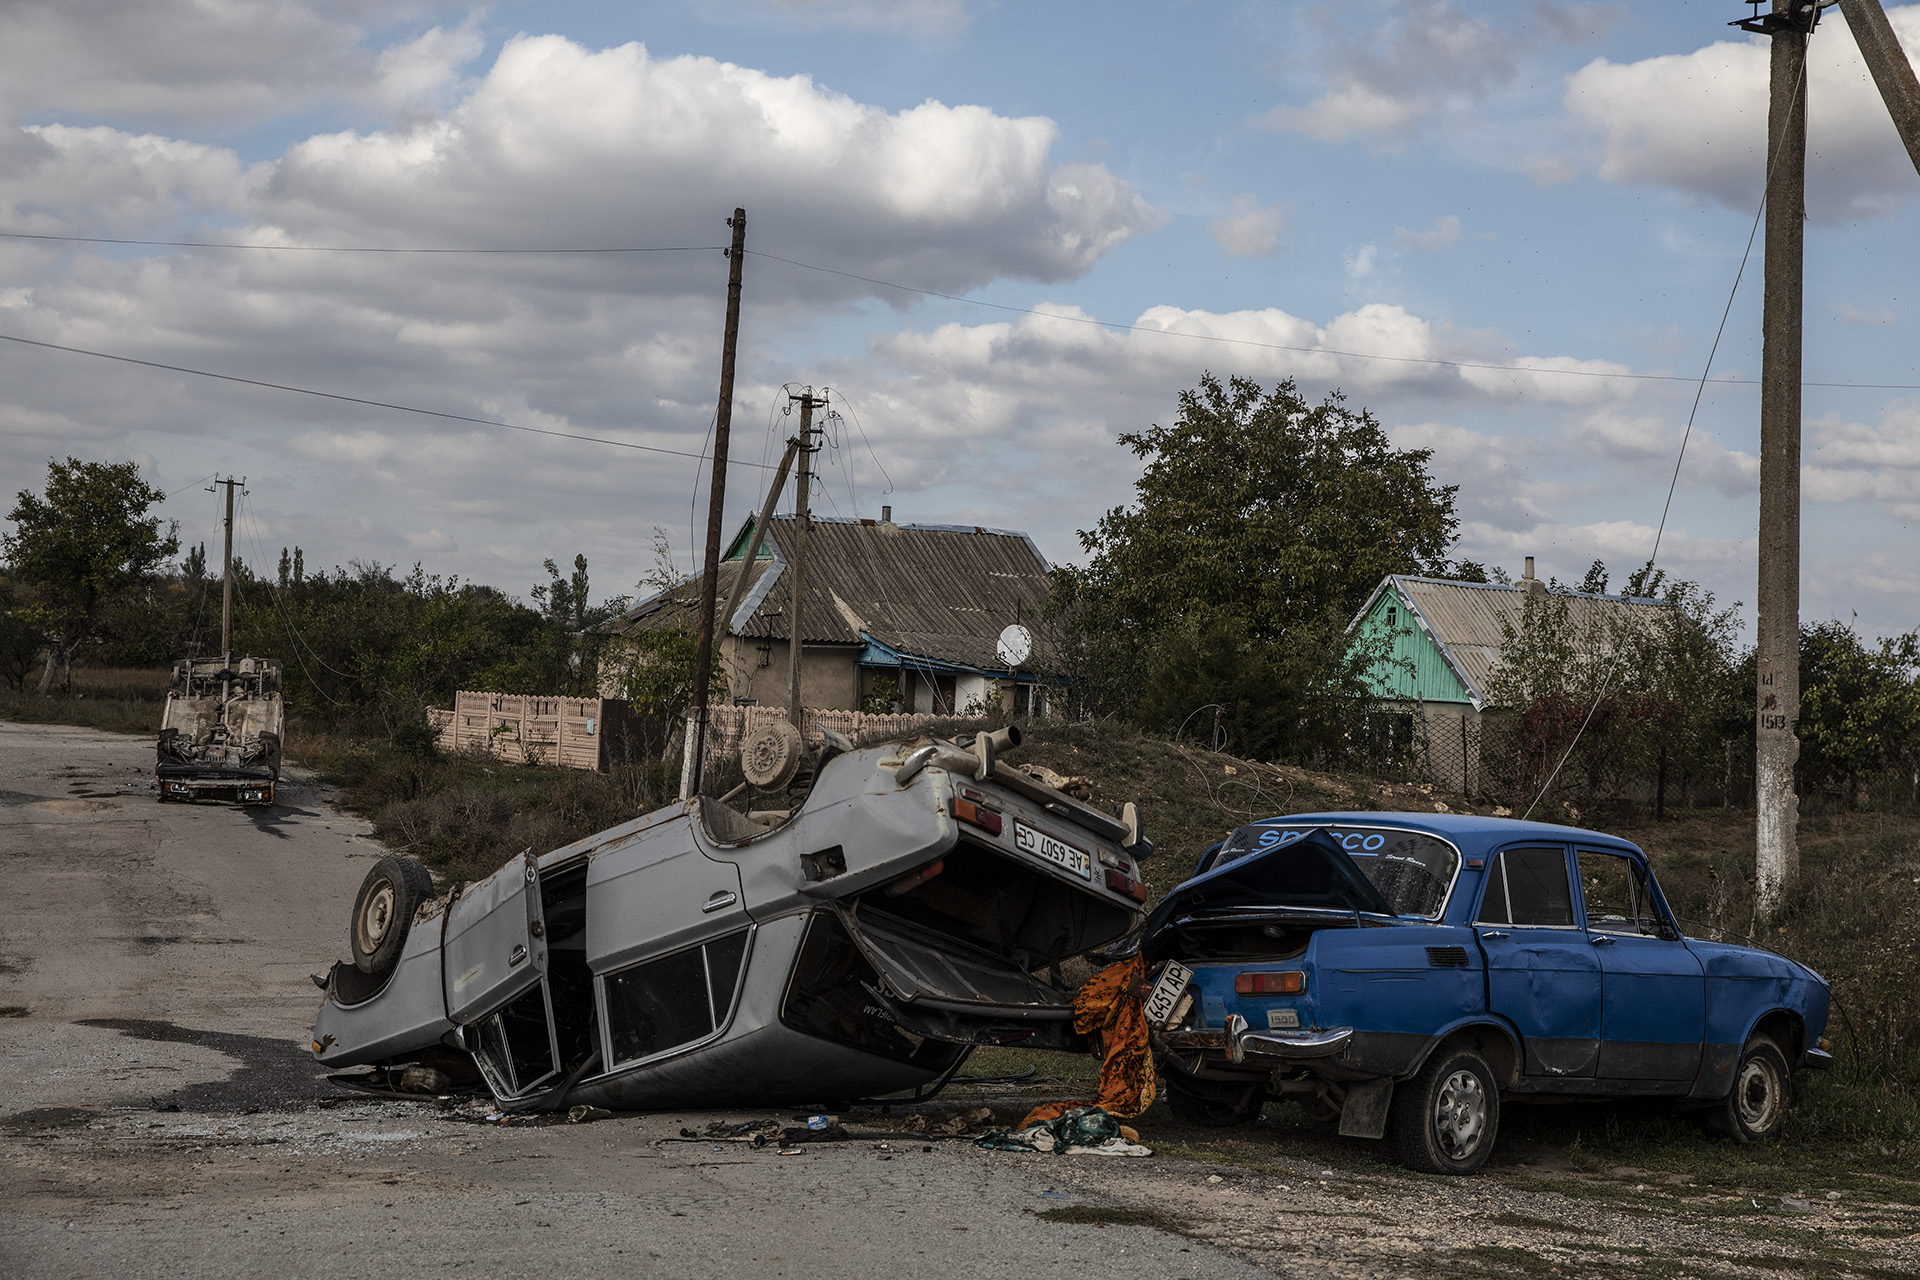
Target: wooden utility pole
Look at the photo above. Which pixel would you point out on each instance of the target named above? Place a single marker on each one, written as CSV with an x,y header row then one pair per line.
x,y
226,579
694,759
802,494
1777,689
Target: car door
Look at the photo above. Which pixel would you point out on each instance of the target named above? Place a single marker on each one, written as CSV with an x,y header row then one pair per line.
x,y
494,947
667,940
1542,974
1654,1009
493,975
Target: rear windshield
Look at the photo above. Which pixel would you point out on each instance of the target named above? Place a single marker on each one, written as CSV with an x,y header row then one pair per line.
x,y
1413,871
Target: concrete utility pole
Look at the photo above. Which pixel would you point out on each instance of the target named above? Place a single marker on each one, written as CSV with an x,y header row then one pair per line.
x,y
802,495
693,760
759,536
1777,689
226,578
1899,88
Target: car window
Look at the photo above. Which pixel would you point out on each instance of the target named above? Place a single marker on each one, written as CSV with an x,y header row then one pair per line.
x,y
674,1000
1615,891
1528,888
1412,870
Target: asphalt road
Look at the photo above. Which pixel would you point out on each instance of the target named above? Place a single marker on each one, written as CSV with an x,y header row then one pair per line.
x,y
161,1117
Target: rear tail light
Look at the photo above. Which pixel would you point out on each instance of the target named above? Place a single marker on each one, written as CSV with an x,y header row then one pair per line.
x,y
976,815
907,884
1290,983
1121,882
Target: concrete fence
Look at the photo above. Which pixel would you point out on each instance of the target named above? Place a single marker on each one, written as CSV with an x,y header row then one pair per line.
x,y
574,733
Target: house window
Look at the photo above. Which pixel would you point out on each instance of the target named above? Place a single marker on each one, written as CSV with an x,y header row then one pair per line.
x,y
1393,617
674,1000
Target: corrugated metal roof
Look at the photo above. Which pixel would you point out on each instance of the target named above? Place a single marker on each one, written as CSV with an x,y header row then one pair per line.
x,y
1463,621
937,591
1467,619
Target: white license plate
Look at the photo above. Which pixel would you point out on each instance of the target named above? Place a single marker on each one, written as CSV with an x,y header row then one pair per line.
x,y
1166,993
1042,845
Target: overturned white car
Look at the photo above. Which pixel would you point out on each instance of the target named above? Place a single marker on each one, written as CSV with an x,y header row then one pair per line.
x,y
916,901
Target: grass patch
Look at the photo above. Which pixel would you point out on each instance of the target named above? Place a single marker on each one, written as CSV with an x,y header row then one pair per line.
x,y
1093,1215
116,699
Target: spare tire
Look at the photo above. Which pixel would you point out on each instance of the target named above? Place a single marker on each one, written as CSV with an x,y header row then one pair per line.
x,y
383,912
770,759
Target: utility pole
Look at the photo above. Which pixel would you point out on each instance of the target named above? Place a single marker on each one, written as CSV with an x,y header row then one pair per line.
x,y
802,493
1777,675
694,758
1789,25
226,578
759,534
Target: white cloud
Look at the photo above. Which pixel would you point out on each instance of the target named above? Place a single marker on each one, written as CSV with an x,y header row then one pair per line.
x,y
1853,315
1444,234
1424,60
1849,462
191,60
1250,230
644,149
1651,445
1360,262
1697,122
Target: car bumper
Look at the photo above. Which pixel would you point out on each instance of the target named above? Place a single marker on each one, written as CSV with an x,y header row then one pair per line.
x,y
1281,1047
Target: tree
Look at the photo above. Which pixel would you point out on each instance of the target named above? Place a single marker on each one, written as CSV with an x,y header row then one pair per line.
x,y
1260,524
83,546
1859,708
1619,695
21,640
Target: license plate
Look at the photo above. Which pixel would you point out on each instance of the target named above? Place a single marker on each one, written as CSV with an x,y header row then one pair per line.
x,y
1042,845
1167,992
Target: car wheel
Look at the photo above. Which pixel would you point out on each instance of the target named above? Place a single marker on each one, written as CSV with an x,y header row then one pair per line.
x,y
1212,1113
383,911
1446,1118
1756,1107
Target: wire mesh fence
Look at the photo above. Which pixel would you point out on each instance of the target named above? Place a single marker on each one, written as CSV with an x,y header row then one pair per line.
x,y
1621,764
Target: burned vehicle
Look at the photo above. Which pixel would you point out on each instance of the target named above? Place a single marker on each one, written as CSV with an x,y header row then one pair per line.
x,y
1411,971
220,733
916,900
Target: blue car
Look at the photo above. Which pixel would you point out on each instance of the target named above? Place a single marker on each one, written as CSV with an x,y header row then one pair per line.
x,y
1408,972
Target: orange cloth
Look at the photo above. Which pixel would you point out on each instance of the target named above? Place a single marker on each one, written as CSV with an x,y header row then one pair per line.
x,y
1110,1006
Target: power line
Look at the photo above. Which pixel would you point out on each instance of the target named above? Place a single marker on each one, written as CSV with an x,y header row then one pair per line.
x,y
338,248
361,400
1113,325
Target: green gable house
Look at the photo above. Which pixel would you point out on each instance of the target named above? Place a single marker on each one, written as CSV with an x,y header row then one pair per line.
x,y
1443,643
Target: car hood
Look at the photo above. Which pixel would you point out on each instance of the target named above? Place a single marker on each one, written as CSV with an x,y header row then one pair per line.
x,y
1312,872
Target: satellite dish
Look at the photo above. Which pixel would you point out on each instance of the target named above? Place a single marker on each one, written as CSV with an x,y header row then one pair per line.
x,y
1016,645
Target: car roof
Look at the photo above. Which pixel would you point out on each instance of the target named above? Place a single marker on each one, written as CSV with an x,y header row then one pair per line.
x,y
1464,828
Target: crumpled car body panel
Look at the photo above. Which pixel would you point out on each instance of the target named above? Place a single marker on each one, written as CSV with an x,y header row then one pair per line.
x,y
691,957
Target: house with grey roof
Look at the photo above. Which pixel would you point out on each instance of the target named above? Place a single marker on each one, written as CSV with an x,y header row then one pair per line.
x,y
1441,642
896,617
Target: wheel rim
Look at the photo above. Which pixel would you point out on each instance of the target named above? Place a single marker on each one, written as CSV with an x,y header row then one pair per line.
x,y
1757,1095
1460,1115
376,917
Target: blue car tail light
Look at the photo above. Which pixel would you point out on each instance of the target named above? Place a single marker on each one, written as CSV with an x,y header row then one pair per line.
x,y
1291,982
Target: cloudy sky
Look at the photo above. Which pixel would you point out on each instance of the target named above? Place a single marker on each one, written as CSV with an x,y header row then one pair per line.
x,y
1509,229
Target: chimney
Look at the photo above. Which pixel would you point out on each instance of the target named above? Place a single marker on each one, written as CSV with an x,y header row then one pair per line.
x,y
886,515
1530,584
